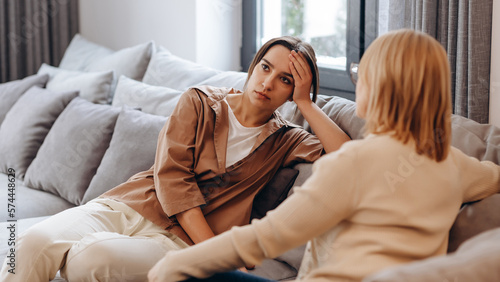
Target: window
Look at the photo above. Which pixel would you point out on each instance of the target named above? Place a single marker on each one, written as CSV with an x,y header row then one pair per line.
x,y
339,31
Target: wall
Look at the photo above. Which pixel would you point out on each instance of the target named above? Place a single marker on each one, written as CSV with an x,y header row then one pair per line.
x,y
207,32
495,67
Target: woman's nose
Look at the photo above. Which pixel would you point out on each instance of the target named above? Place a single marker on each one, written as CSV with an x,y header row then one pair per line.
x,y
268,83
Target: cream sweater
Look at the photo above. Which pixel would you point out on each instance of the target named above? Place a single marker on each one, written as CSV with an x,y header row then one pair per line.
x,y
372,204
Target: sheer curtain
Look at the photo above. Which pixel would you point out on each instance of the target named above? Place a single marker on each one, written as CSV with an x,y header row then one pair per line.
x,y
464,29
33,32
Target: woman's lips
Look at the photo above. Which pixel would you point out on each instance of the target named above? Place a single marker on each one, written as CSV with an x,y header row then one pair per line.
x,y
262,95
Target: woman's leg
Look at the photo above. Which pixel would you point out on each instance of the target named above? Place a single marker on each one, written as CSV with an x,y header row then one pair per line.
x,y
128,256
233,276
41,250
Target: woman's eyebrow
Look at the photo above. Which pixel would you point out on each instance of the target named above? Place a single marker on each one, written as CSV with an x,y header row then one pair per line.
x,y
272,66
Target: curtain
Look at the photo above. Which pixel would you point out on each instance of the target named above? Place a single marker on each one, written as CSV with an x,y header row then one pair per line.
x,y
463,27
33,32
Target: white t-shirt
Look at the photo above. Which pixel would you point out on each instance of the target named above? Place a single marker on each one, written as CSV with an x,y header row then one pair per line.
x,y
240,139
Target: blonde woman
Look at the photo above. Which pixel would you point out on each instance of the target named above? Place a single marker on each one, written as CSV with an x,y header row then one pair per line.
x,y
386,200
219,148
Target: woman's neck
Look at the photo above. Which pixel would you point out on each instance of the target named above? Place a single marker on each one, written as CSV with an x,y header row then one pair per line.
x,y
247,114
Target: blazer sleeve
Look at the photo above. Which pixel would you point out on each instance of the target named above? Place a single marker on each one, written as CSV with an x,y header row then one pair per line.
x,y
174,177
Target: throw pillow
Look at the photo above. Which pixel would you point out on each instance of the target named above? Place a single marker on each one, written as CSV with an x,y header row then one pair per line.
x,y
476,260
84,55
150,99
481,141
93,86
131,62
473,219
274,192
340,110
26,125
230,79
81,52
132,150
12,90
166,69
73,149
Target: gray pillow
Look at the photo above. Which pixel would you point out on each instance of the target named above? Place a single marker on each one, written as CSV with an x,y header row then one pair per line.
x,y
11,91
476,260
340,110
132,150
481,141
157,100
26,125
93,86
73,149
473,219
168,70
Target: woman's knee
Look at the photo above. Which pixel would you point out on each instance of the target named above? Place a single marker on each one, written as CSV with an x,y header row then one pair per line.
x,y
106,255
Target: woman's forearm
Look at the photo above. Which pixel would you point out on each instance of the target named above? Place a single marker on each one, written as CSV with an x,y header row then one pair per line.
x,y
328,132
195,225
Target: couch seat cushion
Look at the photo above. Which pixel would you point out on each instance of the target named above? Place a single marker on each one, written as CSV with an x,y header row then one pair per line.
x,y
30,202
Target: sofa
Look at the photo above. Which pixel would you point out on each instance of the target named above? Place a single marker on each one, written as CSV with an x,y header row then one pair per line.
x,y
71,132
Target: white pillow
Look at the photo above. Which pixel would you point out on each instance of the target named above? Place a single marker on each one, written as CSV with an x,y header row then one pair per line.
x,y
230,79
150,99
84,55
168,70
81,52
131,62
93,86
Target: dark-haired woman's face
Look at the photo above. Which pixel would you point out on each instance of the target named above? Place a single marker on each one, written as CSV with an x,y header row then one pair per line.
x,y
271,83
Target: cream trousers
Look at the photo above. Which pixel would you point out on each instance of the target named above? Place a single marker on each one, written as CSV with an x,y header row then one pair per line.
x,y
103,240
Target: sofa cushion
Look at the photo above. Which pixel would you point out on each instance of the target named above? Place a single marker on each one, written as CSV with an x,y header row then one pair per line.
x,y
81,52
132,149
231,79
168,70
27,124
476,260
157,100
30,202
11,91
473,219
92,86
73,149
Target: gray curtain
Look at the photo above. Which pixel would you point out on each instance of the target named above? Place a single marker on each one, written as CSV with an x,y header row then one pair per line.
x,y
33,32
464,29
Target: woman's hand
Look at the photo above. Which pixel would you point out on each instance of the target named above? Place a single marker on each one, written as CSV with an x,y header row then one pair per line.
x,y
330,135
302,76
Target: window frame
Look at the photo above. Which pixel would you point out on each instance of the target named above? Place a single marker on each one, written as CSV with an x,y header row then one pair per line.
x,y
361,28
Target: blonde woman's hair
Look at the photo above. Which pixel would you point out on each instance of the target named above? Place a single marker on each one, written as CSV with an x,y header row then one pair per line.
x,y
407,75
